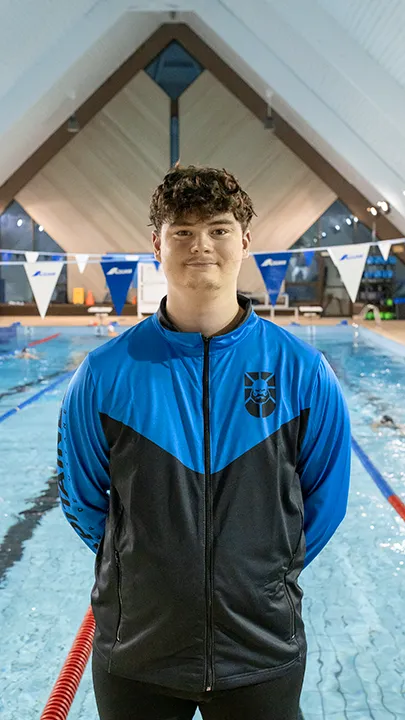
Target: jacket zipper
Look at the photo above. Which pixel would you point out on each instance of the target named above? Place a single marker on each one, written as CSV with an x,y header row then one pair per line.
x,y
117,560
287,592
209,668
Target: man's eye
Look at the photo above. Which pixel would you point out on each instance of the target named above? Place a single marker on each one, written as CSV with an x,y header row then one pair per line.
x,y
220,231
183,233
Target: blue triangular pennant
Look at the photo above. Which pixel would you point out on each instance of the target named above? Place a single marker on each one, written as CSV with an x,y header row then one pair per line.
x,y
273,267
308,255
135,278
118,275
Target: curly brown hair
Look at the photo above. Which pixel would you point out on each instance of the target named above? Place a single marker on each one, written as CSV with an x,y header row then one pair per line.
x,y
200,191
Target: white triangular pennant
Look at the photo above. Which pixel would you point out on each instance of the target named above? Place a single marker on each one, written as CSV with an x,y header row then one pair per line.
x,y
350,261
385,247
31,257
42,277
81,260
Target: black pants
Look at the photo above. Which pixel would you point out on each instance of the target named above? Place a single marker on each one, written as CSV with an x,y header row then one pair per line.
x,y
121,699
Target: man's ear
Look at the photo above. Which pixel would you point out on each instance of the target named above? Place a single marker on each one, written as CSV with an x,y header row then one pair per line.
x,y
246,240
156,242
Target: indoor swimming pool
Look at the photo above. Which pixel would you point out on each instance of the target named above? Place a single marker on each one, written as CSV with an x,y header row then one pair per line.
x,y
354,591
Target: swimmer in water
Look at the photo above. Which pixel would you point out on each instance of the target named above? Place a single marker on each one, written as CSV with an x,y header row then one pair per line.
x,y
389,422
25,354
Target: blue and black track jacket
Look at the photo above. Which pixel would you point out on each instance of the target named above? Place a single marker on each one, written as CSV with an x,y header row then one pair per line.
x,y
205,474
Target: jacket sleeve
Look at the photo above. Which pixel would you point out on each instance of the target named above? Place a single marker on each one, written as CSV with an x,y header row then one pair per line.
x,y
324,462
83,459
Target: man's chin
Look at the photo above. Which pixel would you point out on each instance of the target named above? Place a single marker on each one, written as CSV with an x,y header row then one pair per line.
x,y
202,284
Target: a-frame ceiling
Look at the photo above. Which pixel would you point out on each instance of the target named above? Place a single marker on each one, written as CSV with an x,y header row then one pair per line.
x,y
334,73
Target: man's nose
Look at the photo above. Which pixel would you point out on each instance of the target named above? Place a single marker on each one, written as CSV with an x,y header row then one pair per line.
x,y
201,242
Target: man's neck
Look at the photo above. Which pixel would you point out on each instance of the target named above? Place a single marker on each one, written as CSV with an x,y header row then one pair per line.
x,y
209,316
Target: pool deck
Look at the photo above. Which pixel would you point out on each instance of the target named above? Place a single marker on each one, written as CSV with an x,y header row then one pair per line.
x,y
392,330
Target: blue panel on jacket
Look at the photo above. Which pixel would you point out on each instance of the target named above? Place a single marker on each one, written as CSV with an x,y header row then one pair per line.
x,y
257,384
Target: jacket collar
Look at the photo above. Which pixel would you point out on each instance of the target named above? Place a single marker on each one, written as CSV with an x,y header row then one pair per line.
x,y
195,341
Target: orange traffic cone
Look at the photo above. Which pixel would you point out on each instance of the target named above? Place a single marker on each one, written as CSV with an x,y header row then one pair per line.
x,y
89,298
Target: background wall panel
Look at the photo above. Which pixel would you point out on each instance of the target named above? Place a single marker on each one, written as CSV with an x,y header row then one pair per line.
x,y
216,129
93,196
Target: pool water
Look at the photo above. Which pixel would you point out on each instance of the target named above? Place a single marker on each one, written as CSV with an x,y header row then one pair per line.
x,y
373,380
20,378
354,590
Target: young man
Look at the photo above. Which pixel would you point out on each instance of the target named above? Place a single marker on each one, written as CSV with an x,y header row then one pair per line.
x,y
204,455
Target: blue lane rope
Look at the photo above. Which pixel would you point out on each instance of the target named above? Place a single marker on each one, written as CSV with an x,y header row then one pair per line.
x,y
37,395
368,465
381,483
372,470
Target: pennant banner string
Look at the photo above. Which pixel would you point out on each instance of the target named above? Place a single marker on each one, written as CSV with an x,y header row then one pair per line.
x,y
113,257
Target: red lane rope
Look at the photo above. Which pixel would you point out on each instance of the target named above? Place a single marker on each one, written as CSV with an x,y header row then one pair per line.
x,y
65,688
38,342
397,503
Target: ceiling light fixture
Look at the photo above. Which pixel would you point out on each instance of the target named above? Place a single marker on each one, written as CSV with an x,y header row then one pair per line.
x,y
372,210
337,228
348,221
384,206
73,125
355,219
269,120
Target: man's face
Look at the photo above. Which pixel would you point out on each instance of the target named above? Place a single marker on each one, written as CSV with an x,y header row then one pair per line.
x,y
202,254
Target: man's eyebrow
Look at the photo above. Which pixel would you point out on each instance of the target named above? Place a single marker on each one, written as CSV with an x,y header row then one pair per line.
x,y
219,221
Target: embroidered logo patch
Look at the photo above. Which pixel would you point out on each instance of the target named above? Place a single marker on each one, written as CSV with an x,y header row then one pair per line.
x,y
260,393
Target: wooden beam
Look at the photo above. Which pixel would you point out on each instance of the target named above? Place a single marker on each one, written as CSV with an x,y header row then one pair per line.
x,y
221,71
347,193
86,112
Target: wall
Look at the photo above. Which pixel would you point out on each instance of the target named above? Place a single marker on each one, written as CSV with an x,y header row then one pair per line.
x,y
93,196
215,128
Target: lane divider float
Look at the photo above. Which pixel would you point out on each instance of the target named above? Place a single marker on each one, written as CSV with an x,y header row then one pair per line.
x,y
11,353
65,688
37,395
43,340
381,483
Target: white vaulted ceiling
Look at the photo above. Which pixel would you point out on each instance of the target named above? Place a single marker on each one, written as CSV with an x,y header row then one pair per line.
x,y
378,27
335,70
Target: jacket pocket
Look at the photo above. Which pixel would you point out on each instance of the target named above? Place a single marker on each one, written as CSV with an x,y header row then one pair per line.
x,y
279,609
292,611
119,591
